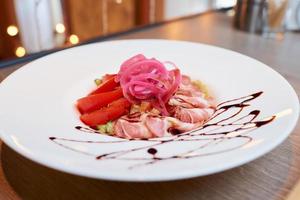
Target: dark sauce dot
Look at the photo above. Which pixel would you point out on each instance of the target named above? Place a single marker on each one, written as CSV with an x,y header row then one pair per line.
x,y
206,125
174,131
254,112
94,128
176,156
255,95
52,138
261,123
152,151
101,156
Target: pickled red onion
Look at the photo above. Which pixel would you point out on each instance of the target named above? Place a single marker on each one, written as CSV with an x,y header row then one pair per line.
x,y
144,79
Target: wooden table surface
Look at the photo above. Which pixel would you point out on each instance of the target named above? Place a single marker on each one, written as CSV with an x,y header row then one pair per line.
x,y
270,177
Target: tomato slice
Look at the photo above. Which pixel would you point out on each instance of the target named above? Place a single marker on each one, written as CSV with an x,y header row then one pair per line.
x,y
109,84
97,101
112,112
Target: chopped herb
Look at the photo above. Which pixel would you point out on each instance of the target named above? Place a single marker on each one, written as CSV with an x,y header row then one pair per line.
x,y
106,128
102,128
135,108
98,81
202,87
109,128
155,111
145,106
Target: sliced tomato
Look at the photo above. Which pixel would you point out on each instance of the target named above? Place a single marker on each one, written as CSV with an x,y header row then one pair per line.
x,y
97,101
108,85
112,112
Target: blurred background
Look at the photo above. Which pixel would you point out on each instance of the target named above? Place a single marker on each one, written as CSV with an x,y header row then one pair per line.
x,y
32,26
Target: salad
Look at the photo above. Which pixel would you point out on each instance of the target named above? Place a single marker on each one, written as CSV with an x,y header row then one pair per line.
x,y
146,100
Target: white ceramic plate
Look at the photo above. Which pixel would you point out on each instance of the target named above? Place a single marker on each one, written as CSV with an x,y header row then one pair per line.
x,y
37,103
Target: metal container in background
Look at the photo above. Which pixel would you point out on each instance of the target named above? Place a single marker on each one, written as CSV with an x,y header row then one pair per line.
x,y
250,15
268,17
293,15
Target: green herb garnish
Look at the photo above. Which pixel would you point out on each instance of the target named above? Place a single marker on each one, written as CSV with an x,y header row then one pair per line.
x,y
106,128
98,81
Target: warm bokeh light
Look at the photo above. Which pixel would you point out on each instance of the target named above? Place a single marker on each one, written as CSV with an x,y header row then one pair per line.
x,y
20,51
230,13
73,39
12,30
60,28
118,1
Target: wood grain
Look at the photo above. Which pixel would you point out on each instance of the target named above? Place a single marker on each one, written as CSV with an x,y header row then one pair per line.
x,y
120,17
270,177
295,193
83,18
88,19
8,44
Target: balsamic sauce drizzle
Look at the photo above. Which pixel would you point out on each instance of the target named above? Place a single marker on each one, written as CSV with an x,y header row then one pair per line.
x,y
209,134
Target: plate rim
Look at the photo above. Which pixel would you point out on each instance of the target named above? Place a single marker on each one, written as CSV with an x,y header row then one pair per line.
x,y
179,176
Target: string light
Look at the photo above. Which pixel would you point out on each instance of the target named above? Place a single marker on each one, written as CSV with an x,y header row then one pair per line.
x,y
60,28
230,13
12,30
20,52
73,39
118,1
